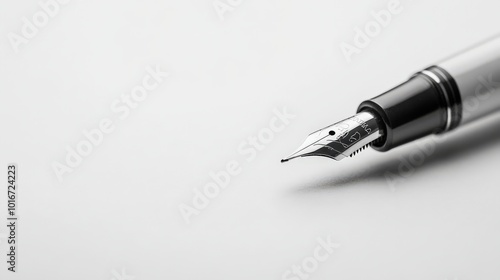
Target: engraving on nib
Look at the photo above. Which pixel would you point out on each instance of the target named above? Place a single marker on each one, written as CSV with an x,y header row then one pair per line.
x,y
355,137
341,139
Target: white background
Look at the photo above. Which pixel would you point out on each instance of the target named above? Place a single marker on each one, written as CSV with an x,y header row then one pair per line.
x,y
118,211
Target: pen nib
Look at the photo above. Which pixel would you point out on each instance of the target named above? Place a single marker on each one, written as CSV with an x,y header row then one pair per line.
x,y
341,139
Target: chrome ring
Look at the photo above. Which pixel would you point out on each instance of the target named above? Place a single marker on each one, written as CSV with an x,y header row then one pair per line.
x,y
436,79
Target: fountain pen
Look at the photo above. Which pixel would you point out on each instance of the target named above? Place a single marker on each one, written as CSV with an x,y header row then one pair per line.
x,y
438,99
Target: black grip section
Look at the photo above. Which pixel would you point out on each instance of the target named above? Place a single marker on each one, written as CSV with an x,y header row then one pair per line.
x,y
409,111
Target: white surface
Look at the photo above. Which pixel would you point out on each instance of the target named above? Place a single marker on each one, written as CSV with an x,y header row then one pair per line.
x,y
119,208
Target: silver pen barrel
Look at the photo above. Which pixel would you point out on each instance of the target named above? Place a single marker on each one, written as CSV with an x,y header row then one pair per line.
x,y
476,72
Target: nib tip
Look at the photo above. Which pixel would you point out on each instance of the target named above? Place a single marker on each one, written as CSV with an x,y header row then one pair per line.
x,y
284,160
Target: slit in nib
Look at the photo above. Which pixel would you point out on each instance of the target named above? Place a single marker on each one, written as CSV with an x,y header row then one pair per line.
x,y
343,139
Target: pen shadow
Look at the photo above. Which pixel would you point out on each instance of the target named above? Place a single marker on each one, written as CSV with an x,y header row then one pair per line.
x,y
456,146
